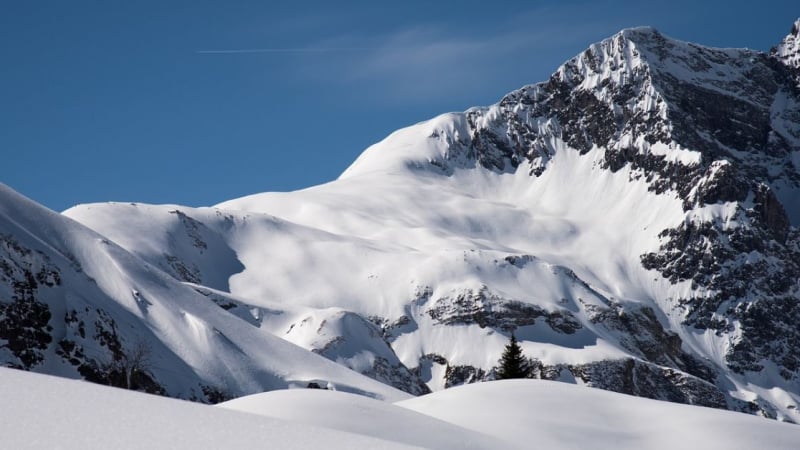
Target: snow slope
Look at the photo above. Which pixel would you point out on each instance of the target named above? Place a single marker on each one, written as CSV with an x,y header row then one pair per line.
x,y
361,415
546,414
49,412
45,412
98,303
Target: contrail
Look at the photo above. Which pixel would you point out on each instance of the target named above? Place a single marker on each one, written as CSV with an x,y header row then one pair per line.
x,y
281,50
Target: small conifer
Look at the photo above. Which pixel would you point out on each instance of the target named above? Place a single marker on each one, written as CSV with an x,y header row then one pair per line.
x,y
513,364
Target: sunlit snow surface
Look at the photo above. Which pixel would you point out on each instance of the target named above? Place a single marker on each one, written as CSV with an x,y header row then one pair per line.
x,y
546,414
43,412
528,414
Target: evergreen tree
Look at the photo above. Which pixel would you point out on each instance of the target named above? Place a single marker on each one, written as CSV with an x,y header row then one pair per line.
x,y
513,364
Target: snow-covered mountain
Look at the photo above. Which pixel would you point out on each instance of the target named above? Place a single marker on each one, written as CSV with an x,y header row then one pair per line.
x,y
633,220
76,304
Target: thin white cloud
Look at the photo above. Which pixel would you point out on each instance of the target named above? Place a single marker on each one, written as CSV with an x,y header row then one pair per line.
x,y
278,50
421,64
441,61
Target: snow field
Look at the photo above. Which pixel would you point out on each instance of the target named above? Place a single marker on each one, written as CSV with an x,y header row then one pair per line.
x,y
49,412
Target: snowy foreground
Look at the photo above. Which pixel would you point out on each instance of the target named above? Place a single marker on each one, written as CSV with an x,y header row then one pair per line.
x,y
49,412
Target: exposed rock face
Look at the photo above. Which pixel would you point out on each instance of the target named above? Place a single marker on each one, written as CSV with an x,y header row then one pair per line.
x,y
635,377
489,310
642,334
25,329
117,364
31,333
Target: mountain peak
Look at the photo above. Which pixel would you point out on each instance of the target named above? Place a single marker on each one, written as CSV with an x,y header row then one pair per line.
x,y
788,51
639,32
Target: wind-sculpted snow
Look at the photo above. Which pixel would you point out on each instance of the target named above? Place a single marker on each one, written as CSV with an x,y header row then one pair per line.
x,y
633,220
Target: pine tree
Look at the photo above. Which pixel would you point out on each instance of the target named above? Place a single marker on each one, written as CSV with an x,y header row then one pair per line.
x,y
513,364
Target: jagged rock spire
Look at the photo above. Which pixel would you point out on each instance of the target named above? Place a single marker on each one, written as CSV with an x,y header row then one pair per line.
x,y
788,51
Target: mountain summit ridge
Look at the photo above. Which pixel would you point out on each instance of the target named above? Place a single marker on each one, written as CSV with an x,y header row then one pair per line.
x,y
640,81
632,219
788,51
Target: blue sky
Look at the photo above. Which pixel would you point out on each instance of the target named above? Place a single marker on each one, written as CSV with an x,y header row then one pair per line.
x,y
198,102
